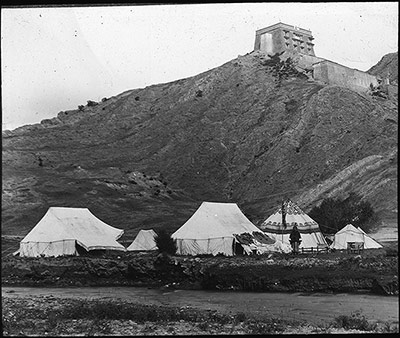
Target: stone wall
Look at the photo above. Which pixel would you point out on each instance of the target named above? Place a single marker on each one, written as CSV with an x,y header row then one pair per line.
x,y
307,61
335,74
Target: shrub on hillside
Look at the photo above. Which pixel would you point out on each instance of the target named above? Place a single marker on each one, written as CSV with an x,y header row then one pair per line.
x,y
334,214
379,90
282,69
91,103
165,243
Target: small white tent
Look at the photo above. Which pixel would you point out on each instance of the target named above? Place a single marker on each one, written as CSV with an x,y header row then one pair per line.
x,y
144,241
211,230
350,234
60,229
311,236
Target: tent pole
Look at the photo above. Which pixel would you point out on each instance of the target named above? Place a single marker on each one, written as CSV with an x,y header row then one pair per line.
x,y
283,218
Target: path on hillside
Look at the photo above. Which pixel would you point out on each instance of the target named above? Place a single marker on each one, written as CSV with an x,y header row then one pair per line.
x,y
314,308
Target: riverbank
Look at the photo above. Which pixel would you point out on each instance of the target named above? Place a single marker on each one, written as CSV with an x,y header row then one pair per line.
x,y
314,308
372,271
62,313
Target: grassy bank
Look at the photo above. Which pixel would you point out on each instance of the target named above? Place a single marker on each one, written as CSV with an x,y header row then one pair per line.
x,y
69,317
374,271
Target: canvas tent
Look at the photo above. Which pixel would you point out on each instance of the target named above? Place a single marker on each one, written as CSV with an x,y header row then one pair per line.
x,y
144,241
311,236
61,229
212,229
351,234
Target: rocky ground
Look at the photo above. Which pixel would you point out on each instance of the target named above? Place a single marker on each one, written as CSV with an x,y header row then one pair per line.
x,y
52,316
374,271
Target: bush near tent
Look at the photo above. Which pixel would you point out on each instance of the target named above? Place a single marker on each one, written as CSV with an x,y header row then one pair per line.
x,y
165,243
334,214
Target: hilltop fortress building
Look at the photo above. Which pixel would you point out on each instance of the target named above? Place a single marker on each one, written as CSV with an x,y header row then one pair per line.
x,y
298,43
282,37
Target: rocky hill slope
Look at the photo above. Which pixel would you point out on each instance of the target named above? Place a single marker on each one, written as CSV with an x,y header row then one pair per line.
x,y
148,157
387,67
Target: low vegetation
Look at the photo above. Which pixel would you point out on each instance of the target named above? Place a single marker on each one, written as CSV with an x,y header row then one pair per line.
x,y
355,321
165,243
283,68
335,213
91,103
92,317
379,91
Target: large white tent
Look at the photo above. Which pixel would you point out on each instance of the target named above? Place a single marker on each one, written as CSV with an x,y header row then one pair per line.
x,y
311,236
61,229
351,234
144,241
212,229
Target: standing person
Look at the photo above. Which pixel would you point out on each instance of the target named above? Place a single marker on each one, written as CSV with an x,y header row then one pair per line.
x,y
295,239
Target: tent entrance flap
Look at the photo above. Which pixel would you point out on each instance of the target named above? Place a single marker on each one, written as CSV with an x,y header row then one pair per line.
x,y
238,248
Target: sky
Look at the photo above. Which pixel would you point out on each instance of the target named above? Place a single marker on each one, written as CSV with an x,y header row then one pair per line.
x,y
57,58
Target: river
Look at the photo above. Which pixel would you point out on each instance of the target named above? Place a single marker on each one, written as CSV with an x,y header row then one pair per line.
x,y
314,308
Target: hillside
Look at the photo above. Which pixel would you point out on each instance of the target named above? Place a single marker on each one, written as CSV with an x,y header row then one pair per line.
x,y
148,157
388,66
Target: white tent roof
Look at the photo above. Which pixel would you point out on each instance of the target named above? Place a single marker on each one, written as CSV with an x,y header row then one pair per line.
x,y
293,215
310,232
143,241
215,220
65,224
350,233
211,230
